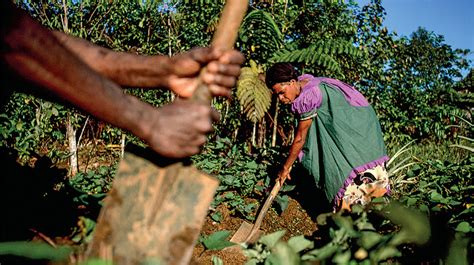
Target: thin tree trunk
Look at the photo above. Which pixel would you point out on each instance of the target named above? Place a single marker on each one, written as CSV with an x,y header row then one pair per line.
x,y
275,122
70,131
82,132
72,144
235,134
262,129
254,132
122,144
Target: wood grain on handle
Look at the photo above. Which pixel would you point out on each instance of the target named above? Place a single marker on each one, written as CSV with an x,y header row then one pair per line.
x,y
224,39
264,210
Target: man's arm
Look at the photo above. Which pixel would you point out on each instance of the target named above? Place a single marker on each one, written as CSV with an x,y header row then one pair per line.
x,y
124,68
31,51
178,73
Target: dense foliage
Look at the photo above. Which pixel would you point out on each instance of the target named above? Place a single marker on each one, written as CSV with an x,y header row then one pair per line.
x,y
414,82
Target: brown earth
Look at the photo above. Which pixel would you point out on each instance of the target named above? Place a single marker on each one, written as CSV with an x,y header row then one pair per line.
x,y
295,220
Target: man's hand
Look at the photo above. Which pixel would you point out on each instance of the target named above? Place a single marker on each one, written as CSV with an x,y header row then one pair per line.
x,y
223,69
179,129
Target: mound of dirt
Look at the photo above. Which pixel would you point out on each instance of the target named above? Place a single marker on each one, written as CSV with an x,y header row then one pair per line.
x,y
294,220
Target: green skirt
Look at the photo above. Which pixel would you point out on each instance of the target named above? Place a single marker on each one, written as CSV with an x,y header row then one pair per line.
x,y
342,141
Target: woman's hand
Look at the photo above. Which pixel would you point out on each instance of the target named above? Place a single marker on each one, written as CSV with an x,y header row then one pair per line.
x,y
223,69
284,174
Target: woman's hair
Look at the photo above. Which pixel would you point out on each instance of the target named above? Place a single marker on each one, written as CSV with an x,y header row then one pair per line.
x,y
279,73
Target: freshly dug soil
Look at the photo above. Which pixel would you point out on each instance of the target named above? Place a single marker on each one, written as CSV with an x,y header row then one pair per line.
x,y
294,220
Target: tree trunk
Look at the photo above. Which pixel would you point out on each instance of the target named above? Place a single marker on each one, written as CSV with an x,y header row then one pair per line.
x,y
122,144
262,129
275,123
70,131
72,144
254,132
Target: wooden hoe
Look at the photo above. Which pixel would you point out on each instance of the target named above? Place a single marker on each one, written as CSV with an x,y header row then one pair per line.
x,y
249,233
157,206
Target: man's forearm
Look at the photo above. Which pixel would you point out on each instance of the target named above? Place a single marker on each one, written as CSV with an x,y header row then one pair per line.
x,y
126,69
36,55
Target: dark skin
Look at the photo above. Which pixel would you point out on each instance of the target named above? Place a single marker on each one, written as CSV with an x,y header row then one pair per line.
x,y
90,77
287,92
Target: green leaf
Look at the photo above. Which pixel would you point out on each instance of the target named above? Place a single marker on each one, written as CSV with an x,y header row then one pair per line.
x,y
324,252
271,239
411,201
385,253
322,218
287,188
252,253
217,216
464,227
95,262
344,222
369,239
55,111
436,197
217,240
458,250
342,258
299,243
283,254
251,165
35,250
282,201
415,225
424,208
216,260
19,126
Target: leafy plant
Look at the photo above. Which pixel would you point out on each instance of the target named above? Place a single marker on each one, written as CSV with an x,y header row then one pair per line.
x,y
96,181
217,240
254,96
260,35
35,250
358,238
83,233
321,53
242,176
271,250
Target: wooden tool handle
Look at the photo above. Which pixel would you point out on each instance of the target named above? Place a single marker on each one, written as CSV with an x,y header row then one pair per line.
x,y
224,39
263,211
229,24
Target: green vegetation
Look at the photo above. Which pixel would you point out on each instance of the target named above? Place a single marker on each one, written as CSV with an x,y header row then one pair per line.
x,y
414,83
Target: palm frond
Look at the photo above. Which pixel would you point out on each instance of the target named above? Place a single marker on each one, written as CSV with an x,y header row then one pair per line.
x,y
254,96
260,23
322,53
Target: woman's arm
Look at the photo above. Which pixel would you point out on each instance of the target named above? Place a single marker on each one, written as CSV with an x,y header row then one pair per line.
x,y
295,149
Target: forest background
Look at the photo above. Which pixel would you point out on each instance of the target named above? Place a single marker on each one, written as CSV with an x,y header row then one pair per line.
x,y
414,83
